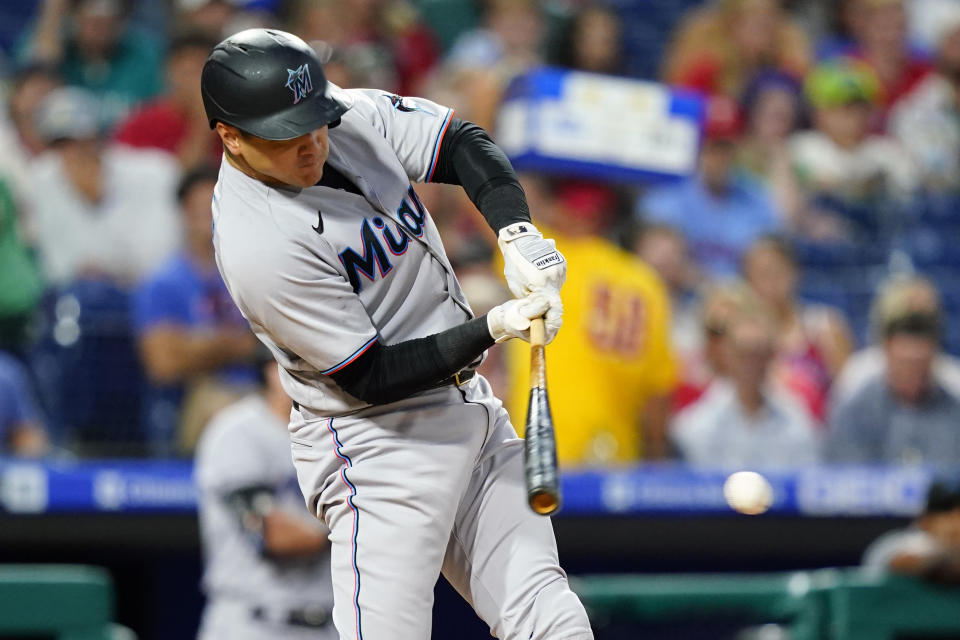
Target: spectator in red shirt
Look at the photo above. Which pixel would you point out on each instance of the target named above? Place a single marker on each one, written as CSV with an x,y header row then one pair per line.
x,y
175,122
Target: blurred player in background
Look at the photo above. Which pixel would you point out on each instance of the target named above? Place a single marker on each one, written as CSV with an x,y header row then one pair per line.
x,y
267,559
930,547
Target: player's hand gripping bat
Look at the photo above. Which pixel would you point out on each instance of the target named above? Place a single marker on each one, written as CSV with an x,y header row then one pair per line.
x,y
540,448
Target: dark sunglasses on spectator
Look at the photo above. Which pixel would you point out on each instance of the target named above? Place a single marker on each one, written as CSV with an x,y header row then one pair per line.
x,y
715,330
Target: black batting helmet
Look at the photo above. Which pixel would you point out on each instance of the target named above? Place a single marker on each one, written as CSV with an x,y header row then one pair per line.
x,y
270,84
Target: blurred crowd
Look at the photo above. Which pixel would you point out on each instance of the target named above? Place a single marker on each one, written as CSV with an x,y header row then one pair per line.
x,y
792,301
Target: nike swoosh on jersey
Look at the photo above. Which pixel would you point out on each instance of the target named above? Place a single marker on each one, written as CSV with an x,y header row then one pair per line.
x,y
319,227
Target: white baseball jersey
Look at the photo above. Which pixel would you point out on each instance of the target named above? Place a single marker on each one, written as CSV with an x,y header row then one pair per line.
x,y
246,446
320,273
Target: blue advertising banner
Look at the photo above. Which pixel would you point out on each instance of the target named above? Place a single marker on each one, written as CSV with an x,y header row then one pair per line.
x,y
141,486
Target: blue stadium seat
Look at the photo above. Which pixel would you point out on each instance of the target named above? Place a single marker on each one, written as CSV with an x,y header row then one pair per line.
x,y
844,276
88,371
934,244
933,207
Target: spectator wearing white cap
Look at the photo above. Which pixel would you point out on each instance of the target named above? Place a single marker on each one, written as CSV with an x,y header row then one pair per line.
x,y
95,210
927,120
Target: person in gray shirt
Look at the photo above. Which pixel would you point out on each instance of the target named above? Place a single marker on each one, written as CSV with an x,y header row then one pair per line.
x,y
903,415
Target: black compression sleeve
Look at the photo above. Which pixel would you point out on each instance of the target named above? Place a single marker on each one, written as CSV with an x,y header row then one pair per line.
x,y
469,157
387,373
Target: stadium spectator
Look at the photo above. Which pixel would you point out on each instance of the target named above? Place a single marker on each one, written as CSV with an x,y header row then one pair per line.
x,y
97,210
772,105
926,121
482,61
883,45
194,344
360,64
903,415
176,122
616,327
390,32
591,40
93,47
846,173
18,134
925,21
21,430
665,249
20,282
720,210
901,294
929,548
509,39
701,361
266,557
834,26
216,19
718,48
744,419
813,340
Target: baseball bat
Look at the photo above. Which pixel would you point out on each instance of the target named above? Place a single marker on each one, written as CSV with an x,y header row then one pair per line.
x,y
540,446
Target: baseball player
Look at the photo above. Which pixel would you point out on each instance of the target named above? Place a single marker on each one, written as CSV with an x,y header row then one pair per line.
x,y
399,447
267,573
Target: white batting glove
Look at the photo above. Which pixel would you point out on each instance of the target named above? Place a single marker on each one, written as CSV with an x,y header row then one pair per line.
x,y
530,262
512,318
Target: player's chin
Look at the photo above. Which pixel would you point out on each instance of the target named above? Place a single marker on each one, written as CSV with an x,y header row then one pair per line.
x,y
308,176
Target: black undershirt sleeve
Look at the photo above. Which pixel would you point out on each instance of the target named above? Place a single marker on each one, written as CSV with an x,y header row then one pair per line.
x,y
468,157
385,373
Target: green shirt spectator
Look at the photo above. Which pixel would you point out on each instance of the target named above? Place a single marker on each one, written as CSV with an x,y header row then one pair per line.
x,y
20,283
91,44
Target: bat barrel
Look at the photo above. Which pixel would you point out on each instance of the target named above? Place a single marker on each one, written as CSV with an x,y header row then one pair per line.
x,y
540,456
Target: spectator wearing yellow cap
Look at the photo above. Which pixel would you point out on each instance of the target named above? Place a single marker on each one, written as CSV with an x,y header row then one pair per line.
x,y
840,160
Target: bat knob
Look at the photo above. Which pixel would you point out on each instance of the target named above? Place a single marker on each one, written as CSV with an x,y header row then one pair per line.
x,y
543,502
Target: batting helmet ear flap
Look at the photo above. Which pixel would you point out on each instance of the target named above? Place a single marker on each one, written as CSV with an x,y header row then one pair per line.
x,y
335,123
269,84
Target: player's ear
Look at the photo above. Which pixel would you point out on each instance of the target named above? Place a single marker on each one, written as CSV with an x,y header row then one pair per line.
x,y
230,136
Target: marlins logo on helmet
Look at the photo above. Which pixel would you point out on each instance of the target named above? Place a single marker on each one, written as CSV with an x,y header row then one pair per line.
x,y
298,81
